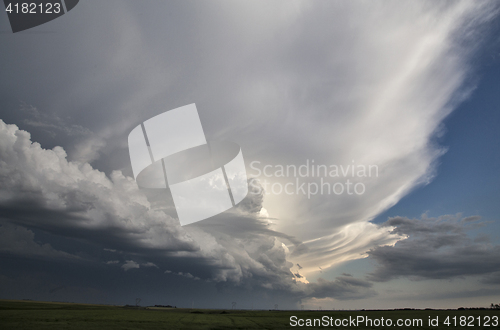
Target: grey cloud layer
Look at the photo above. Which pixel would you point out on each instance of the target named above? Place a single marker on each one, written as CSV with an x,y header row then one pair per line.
x,y
437,248
20,241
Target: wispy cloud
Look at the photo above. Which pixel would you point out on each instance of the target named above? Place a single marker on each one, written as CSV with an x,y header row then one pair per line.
x,y
130,264
51,123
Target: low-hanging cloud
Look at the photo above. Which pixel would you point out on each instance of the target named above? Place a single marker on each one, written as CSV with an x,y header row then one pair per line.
x,y
436,248
20,241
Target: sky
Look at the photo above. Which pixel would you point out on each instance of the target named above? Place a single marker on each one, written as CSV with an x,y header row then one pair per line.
x,y
398,100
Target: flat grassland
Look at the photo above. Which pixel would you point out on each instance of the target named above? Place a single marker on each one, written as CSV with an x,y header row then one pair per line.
x,y
19,315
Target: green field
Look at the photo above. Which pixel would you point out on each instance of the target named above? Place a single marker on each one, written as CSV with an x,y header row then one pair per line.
x,y
16,314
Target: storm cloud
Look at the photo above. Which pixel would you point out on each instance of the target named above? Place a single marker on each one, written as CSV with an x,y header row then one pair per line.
x,y
436,248
338,82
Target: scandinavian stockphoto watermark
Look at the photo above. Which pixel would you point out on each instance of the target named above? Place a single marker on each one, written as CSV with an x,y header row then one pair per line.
x,y
311,179
170,152
205,178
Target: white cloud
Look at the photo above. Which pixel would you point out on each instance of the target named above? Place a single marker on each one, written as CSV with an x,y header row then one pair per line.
x,y
73,196
149,264
130,264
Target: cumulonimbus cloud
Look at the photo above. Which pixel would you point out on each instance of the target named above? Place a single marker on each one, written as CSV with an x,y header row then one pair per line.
x,y
304,83
371,93
41,189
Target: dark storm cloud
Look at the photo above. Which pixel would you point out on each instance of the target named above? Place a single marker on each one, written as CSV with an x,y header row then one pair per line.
x,y
286,80
42,190
464,293
493,278
436,248
342,288
295,85
235,250
20,241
